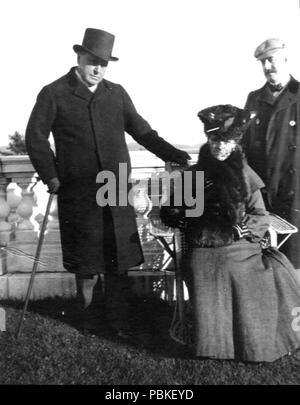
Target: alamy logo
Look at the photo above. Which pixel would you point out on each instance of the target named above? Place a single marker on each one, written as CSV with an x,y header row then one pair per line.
x,y
296,321
115,191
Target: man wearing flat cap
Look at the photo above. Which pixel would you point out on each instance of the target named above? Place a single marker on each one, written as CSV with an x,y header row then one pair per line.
x,y
272,143
88,117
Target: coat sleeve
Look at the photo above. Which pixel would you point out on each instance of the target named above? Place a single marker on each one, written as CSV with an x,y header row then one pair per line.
x,y
37,134
257,218
141,131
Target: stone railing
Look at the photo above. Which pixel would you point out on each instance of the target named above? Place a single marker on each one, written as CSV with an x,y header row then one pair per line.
x,y
23,200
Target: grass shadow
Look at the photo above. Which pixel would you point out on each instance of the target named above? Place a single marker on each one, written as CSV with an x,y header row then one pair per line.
x,y
149,318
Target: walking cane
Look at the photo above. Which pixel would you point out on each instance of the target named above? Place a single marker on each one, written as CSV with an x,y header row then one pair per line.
x,y
36,261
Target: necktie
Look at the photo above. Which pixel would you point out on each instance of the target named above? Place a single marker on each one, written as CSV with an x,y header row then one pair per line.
x,y
276,87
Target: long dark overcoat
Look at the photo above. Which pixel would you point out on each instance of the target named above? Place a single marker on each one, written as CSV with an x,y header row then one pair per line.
x,y
272,146
88,130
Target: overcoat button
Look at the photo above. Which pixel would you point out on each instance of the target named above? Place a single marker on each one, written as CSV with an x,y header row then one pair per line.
x,y
292,170
292,123
292,147
257,121
291,193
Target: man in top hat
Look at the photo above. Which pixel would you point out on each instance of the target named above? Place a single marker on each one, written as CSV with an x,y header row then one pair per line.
x,y
88,117
272,143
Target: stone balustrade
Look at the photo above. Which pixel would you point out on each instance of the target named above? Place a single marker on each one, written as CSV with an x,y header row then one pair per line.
x,y
23,200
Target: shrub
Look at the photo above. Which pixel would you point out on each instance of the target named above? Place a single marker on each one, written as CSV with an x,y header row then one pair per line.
x,y
17,144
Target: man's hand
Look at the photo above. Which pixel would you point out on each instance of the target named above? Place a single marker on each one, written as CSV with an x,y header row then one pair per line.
x,y
181,157
53,185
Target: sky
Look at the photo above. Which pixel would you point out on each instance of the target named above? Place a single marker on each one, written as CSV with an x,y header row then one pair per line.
x,y
175,57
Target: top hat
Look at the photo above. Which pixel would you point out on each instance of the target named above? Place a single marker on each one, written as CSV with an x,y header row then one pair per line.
x,y
97,42
268,48
225,121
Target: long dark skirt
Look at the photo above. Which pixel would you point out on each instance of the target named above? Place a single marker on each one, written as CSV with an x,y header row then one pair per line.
x,y
245,302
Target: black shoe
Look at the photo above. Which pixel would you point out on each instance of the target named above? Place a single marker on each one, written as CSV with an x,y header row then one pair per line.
x,y
89,332
123,332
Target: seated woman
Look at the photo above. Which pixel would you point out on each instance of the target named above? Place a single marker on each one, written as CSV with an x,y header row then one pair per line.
x,y
245,297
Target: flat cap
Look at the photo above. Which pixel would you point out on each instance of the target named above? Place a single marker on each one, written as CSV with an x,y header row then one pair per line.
x,y
268,48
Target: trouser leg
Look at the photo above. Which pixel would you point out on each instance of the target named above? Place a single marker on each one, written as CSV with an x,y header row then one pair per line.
x,y
90,300
117,295
116,285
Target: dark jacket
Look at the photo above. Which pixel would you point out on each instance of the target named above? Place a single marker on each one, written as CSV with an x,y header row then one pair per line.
x,y
88,131
272,147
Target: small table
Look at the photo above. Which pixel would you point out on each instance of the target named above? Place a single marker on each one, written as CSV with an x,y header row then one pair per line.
x,y
172,241
280,226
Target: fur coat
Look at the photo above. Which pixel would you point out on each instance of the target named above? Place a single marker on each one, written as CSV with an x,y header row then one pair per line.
x,y
227,189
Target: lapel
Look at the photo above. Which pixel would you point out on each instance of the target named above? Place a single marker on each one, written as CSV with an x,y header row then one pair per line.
x,y
285,100
102,90
266,96
289,95
78,88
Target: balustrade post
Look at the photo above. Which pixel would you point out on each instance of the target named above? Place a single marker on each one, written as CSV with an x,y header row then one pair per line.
x,y
13,200
25,228
5,226
53,233
142,206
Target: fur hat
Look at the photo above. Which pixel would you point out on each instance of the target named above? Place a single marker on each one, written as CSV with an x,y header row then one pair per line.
x,y
225,121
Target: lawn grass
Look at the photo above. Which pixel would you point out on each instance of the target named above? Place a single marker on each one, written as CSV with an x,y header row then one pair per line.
x,y
50,350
